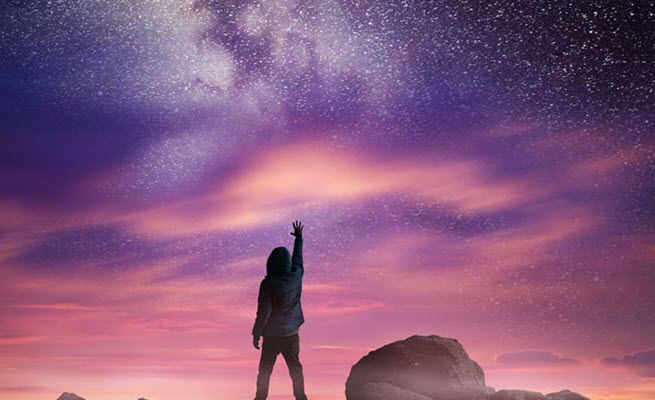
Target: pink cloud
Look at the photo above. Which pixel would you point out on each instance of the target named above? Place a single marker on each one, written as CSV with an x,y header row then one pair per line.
x,y
276,183
17,340
533,358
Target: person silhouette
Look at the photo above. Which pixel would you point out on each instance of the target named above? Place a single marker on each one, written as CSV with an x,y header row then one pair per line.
x,y
279,316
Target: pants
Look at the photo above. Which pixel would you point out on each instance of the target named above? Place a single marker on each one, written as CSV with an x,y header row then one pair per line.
x,y
289,346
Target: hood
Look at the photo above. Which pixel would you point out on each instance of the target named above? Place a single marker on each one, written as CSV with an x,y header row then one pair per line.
x,y
279,261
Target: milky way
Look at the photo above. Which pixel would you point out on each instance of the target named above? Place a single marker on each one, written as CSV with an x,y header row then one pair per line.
x,y
476,170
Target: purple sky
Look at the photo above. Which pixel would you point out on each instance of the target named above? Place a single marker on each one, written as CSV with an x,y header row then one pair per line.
x,y
482,171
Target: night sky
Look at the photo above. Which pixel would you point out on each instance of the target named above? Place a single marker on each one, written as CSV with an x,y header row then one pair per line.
x,y
482,171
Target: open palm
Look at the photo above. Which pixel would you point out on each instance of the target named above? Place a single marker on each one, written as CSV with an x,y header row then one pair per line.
x,y
297,229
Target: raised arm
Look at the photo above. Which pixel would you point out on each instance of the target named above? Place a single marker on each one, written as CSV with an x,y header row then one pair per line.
x,y
296,257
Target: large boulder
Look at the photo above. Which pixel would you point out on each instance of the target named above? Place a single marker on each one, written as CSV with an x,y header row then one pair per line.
x,y
430,366
69,396
517,395
566,395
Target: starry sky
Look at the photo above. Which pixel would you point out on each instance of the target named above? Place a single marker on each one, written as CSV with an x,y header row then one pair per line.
x,y
482,171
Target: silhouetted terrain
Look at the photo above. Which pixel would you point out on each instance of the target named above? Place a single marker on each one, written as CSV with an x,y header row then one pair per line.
x,y
422,368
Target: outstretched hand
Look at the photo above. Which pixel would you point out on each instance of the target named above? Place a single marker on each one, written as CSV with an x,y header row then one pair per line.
x,y
297,229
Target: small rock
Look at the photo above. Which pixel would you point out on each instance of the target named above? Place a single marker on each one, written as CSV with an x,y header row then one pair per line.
x,y
385,391
69,396
517,395
566,395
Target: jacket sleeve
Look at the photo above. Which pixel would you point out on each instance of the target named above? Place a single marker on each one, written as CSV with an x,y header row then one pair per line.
x,y
263,309
296,258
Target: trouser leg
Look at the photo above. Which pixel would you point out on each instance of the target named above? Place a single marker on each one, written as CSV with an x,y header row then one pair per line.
x,y
266,363
291,356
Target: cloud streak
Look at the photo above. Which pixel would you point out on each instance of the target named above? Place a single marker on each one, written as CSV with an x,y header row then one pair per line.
x,y
643,362
533,358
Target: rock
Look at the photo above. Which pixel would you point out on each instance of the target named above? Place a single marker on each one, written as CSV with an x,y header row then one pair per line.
x,y
428,366
517,395
385,391
527,395
566,395
69,396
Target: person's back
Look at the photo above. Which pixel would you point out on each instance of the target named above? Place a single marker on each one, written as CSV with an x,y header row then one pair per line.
x,y
279,315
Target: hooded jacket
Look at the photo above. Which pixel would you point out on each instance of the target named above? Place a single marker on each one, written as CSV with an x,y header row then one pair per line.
x,y
279,312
